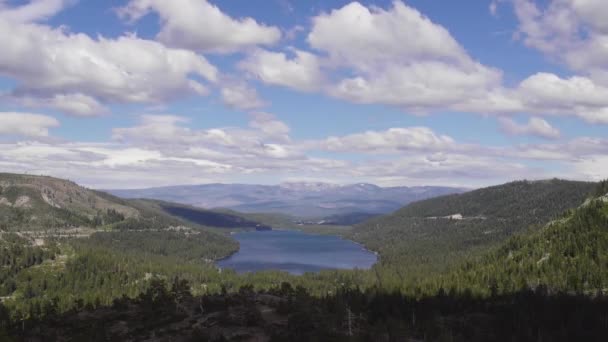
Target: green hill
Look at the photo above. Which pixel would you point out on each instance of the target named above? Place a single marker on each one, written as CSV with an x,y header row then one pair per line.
x,y
40,203
59,240
569,254
36,203
433,234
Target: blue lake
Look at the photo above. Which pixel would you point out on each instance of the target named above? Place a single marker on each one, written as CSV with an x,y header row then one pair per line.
x,y
295,252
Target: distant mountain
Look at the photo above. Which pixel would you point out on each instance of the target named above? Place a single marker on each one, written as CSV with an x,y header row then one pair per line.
x,y
310,200
436,233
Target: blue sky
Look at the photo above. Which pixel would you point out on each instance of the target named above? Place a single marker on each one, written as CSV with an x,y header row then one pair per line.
x,y
147,92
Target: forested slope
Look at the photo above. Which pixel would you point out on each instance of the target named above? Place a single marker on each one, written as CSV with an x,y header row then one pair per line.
x,y
433,234
62,245
570,254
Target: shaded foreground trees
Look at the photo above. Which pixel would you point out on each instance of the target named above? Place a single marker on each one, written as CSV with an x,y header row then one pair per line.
x,y
170,313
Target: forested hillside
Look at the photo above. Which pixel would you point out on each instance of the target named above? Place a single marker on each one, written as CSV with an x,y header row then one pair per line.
x,y
568,255
63,246
433,234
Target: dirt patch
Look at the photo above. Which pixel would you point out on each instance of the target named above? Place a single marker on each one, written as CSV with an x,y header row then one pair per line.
x,y
49,201
23,202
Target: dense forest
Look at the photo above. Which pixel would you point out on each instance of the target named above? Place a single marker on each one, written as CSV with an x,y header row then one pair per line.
x,y
568,255
167,311
493,264
435,234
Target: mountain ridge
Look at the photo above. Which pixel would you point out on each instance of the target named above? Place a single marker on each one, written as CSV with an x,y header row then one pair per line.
x,y
300,199
432,234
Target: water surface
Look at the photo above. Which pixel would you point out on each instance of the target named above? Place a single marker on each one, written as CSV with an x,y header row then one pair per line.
x,y
295,252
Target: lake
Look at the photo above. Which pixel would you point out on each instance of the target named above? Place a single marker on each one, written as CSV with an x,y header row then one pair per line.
x,y
295,252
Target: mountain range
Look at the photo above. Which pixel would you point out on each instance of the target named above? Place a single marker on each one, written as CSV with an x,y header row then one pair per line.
x,y
301,199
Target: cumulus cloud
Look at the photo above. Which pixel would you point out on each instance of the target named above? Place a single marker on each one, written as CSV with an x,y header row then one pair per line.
x,y
158,128
302,72
535,126
76,104
367,37
392,140
572,31
576,95
26,124
160,149
239,95
267,138
183,26
270,126
76,73
35,10
396,56
399,57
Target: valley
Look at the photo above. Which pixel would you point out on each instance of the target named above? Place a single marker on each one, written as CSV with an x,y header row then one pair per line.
x,y
81,250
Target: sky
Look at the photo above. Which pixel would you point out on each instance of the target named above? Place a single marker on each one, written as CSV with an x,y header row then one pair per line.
x,y
143,93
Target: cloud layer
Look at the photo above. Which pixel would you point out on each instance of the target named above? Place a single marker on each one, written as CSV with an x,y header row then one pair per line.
x,y
393,56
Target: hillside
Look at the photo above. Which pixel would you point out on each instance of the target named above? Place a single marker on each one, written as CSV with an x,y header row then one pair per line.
x,y
306,200
433,234
569,254
59,240
35,202
200,216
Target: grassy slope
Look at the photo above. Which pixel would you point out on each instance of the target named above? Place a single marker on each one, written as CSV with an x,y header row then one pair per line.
x,y
35,203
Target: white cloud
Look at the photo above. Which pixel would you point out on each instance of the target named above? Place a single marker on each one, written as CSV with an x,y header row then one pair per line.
x,y
302,72
239,95
76,73
535,126
452,169
35,10
548,94
399,57
160,150
267,138
593,168
420,86
572,31
76,104
270,126
544,89
26,124
367,38
393,140
201,26
395,56
157,128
